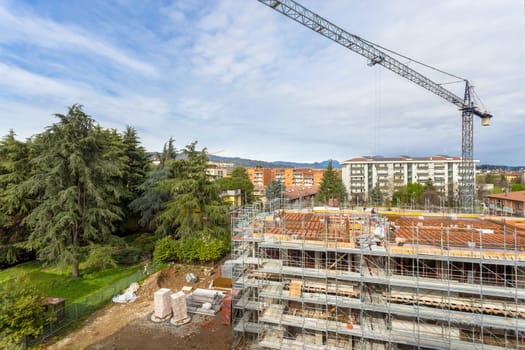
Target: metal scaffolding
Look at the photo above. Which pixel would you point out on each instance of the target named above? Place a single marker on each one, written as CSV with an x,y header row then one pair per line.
x,y
329,279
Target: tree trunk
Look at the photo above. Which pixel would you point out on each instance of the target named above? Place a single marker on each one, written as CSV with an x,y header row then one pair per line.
x,y
75,273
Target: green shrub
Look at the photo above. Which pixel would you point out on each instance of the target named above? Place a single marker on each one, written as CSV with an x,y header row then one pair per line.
x,y
128,256
165,250
22,312
100,257
210,250
145,242
190,249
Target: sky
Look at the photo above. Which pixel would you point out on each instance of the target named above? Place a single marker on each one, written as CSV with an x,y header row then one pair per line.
x,y
245,81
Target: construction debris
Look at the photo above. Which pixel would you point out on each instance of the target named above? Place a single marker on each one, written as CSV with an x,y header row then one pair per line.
x,y
124,298
204,302
227,268
191,278
222,283
129,294
187,289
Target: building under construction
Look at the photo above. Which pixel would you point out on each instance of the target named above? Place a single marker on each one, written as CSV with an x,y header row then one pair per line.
x,y
333,279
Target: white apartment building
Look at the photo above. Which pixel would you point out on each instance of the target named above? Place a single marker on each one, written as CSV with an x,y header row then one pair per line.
x,y
361,174
219,170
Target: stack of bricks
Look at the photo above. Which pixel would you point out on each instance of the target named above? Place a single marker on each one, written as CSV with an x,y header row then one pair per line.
x,y
295,289
162,305
178,305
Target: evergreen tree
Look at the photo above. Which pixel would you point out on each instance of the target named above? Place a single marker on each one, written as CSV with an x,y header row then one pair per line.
x,y
137,161
274,190
14,204
238,180
331,186
137,166
152,198
194,206
376,196
78,185
169,153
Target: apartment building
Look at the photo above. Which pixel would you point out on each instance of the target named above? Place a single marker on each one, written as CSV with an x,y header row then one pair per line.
x,y
260,177
361,174
507,203
333,280
217,170
290,177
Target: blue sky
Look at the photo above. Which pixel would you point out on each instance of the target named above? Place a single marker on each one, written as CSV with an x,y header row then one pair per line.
x,y
239,77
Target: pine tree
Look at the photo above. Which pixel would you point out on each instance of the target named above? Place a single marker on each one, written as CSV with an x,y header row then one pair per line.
x,y
152,198
137,161
78,185
14,204
137,166
194,206
331,186
274,190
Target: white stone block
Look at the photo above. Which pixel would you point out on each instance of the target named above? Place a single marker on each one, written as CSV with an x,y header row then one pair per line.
x,y
178,306
161,303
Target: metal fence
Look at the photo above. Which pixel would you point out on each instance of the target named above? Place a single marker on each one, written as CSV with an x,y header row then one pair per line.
x,y
88,304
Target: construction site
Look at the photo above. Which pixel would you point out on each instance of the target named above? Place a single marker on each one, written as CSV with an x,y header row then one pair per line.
x,y
343,279
331,278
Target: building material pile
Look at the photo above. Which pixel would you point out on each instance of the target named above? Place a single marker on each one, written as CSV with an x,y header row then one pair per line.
x,y
178,306
295,289
227,269
161,303
204,302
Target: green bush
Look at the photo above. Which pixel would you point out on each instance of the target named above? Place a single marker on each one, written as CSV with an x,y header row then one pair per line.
x,y
22,312
128,256
145,242
100,257
209,250
165,250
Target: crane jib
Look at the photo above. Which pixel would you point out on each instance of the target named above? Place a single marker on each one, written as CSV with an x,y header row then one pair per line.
x,y
373,53
355,43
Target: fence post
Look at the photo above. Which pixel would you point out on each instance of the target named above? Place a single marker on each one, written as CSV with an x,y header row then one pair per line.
x,y
76,310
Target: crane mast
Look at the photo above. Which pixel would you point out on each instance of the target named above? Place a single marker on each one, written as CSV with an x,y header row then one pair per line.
x,y
375,56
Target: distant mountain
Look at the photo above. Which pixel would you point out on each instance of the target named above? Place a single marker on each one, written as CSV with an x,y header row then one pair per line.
x,y
250,163
499,167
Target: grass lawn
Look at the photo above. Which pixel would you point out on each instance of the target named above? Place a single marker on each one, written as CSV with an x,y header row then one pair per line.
x,y
59,283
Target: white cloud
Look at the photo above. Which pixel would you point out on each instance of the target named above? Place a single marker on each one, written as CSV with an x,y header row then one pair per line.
x,y
238,76
51,35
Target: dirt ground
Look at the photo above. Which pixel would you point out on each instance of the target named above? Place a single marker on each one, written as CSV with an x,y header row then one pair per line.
x,y
128,326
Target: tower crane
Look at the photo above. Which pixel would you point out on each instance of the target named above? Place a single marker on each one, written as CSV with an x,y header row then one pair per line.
x,y
377,55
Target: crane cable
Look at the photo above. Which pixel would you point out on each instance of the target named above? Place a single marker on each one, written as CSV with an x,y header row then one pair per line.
x,y
412,60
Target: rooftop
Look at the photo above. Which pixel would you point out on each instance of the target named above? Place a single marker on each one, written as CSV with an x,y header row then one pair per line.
x,y
402,158
514,196
436,231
